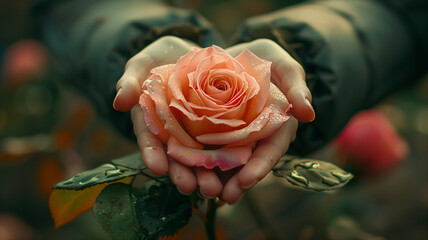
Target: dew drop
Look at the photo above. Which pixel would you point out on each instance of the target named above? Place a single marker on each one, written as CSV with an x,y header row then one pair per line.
x,y
92,180
330,181
308,165
108,165
342,176
297,176
113,172
68,182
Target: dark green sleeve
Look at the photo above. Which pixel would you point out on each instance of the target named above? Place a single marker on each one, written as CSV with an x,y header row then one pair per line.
x,y
354,52
92,40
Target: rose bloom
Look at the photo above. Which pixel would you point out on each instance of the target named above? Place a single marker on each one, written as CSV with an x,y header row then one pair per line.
x,y
210,109
371,143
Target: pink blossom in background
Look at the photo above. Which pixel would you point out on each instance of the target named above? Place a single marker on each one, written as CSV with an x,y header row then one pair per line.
x,y
371,143
24,60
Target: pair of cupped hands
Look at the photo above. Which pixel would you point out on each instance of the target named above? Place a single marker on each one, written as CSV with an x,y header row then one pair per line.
x,y
287,75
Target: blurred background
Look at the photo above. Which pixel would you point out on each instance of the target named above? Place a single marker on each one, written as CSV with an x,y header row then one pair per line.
x,y
49,132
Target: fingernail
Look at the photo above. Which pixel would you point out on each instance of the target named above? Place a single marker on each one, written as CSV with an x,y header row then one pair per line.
x,y
119,92
250,186
182,193
308,103
117,95
202,194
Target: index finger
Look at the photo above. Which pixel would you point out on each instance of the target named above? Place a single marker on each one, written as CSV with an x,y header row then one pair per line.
x,y
267,154
152,151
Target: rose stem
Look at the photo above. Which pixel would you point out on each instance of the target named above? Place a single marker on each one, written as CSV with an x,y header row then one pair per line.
x,y
210,223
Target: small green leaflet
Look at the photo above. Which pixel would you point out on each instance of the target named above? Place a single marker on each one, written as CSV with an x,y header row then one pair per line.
x,y
162,210
127,166
311,174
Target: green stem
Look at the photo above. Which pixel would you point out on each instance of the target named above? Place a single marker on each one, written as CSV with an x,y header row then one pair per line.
x,y
210,223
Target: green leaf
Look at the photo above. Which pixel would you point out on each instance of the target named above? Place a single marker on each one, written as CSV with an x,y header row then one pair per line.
x,y
102,174
66,205
132,161
312,174
162,210
114,210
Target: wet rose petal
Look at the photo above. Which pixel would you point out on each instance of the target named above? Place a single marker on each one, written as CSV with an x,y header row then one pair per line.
x,y
225,158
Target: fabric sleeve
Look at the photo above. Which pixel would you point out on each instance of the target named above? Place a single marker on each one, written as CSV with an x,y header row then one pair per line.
x,y
92,40
354,54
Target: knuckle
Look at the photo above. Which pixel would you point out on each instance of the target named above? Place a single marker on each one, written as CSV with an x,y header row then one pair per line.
x,y
170,40
264,42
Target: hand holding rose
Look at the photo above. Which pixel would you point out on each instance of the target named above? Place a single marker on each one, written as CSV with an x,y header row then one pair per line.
x,y
210,100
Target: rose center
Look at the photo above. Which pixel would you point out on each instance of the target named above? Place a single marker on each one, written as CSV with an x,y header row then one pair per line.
x,y
220,83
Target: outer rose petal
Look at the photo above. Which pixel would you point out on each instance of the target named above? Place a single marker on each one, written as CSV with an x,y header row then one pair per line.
x,y
155,86
181,87
273,116
260,70
197,125
224,158
153,123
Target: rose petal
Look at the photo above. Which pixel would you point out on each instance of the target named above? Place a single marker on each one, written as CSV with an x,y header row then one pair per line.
x,y
236,112
196,125
220,59
260,70
153,123
156,87
224,158
178,83
272,117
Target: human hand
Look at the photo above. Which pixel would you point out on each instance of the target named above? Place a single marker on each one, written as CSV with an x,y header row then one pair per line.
x,y
188,179
289,76
165,50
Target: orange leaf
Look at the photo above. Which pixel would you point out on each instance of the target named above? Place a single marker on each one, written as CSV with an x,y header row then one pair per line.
x,y
66,205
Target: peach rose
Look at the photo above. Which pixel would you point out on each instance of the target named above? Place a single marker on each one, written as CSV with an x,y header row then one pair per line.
x,y
210,108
